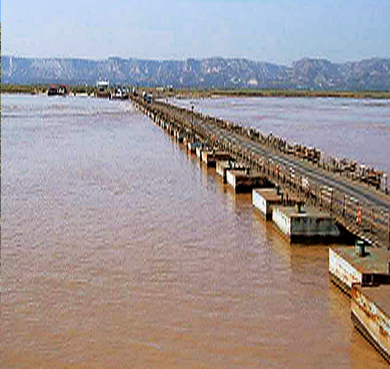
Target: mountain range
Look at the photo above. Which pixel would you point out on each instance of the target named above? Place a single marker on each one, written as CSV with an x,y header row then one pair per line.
x,y
307,73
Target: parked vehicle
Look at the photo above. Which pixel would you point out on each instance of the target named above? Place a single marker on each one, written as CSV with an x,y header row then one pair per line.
x,y
102,89
120,93
57,90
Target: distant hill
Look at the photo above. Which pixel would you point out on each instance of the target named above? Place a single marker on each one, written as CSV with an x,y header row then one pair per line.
x,y
315,74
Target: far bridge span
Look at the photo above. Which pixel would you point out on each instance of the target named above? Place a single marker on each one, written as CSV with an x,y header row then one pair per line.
x,y
362,209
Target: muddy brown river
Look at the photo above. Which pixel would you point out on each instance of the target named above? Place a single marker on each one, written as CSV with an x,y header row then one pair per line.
x,y
118,250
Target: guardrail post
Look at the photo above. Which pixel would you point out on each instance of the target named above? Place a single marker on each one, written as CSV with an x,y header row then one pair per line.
x,y
344,206
388,230
331,201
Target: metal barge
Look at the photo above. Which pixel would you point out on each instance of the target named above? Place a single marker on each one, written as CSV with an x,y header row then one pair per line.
x,y
370,312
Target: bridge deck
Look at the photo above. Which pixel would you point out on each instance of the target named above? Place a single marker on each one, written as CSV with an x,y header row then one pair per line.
x,y
343,197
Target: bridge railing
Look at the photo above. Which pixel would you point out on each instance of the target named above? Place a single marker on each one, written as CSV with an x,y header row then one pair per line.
x,y
361,217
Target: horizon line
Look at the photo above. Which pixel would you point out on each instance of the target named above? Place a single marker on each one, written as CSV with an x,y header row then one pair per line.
x,y
191,58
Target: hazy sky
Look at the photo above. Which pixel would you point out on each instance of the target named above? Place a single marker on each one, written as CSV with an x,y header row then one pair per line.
x,y
268,30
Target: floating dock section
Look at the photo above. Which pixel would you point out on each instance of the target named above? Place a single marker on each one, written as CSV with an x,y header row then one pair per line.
x,y
245,181
222,166
199,150
298,224
358,265
210,158
179,135
192,146
370,312
264,199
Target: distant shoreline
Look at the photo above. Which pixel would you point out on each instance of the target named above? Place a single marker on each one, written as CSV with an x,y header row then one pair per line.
x,y
194,93
282,93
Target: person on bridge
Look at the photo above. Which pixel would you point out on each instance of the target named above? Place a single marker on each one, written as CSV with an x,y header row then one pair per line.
x,y
359,215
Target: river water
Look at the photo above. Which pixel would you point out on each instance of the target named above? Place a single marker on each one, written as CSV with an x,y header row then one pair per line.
x,y
120,251
357,129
